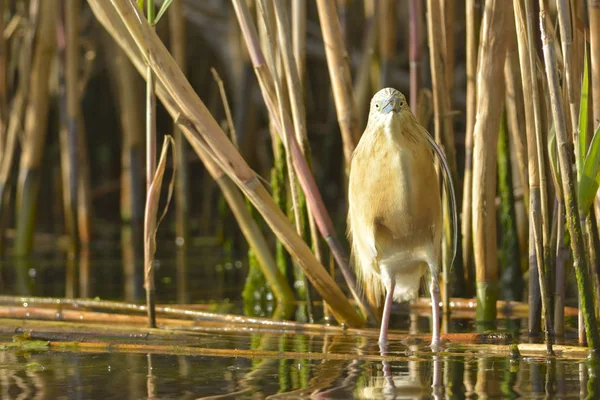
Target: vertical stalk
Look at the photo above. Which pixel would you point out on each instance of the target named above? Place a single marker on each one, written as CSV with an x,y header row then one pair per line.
x,y
580,263
67,134
490,96
509,252
280,90
387,39
472,37
34,138
149,284
299,37
562,253
444,134
448,10
306,179
178,48
339,72
415,51
527,79
299,119
594,18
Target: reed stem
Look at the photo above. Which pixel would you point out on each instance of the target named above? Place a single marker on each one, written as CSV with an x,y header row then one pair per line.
x,y
490,96
472,38
36,118
580,263
178,37
183,104
149,284
339,72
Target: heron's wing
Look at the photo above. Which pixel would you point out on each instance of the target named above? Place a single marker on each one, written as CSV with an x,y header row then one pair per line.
x,y
449,185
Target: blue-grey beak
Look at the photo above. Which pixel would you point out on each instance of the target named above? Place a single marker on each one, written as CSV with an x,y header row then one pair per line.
x,y
392,104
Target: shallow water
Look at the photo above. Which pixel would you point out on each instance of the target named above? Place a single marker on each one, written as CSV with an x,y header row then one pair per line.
x,y
266,364
73,374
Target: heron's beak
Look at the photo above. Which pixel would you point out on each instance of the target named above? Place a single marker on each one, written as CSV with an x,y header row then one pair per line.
x,y
392,104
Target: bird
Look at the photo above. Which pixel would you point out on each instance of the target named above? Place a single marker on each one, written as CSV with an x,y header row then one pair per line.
x,y
395,208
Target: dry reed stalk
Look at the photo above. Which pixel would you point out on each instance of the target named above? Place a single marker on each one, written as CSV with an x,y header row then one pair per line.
x,y
18,105
444,130
270,23
151,223
201,129
415,51
293,79
34,135
472,37
515,110
539,139
299,37
534,319
339,71
568,186
572,83
448,10
3,74
362,81
67,40
387,39
277,281
151,173
178,48
324,223
490,95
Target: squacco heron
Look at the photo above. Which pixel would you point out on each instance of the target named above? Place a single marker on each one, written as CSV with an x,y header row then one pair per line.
x,y
395,208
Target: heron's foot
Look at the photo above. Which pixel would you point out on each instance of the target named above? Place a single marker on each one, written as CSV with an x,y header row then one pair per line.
x,y
436,345
383,346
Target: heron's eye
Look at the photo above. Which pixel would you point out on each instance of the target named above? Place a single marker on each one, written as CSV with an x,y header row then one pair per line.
x,y
377,106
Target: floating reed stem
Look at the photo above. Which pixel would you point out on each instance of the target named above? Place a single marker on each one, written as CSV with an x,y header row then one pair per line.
x,y
182,103
34,135
581,270
339,72
490,95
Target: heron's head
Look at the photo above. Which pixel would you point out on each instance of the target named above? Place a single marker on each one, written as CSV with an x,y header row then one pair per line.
x,y
387,102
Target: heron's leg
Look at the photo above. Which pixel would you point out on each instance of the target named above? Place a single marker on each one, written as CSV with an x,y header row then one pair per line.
x,y
435,309
387,310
